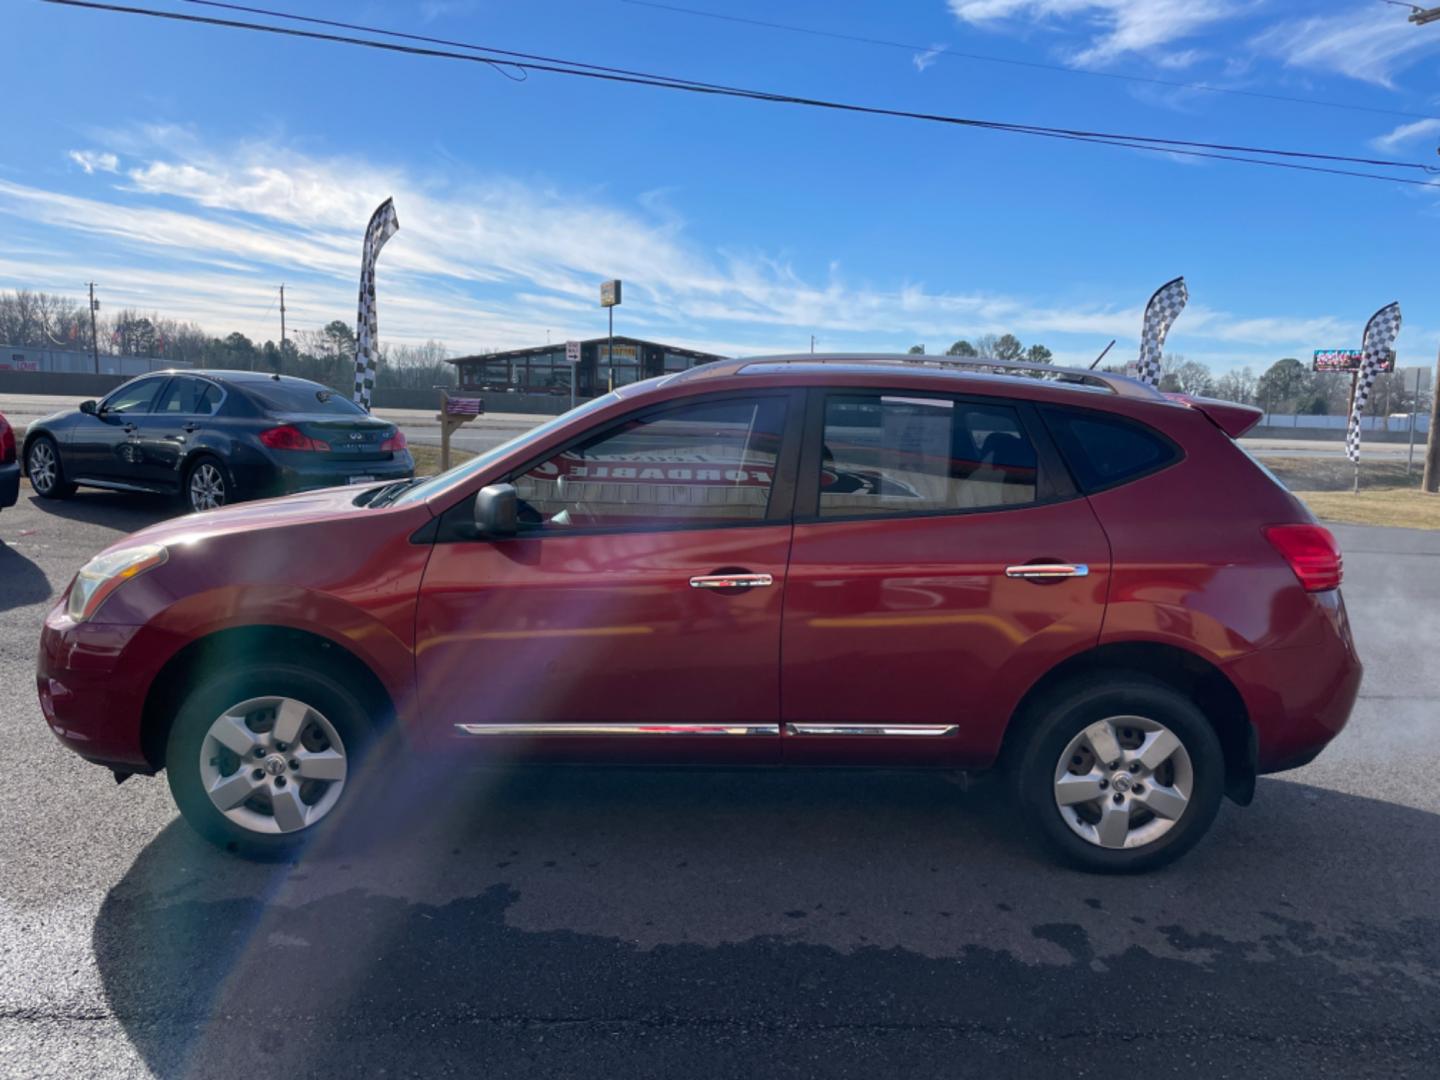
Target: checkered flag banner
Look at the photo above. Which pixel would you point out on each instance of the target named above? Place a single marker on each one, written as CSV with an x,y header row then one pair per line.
x,y
1162,310
383,224
1380,334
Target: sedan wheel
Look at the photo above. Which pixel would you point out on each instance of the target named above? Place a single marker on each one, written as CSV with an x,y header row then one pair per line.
x,y
1123,782
273,765
207,486
43,467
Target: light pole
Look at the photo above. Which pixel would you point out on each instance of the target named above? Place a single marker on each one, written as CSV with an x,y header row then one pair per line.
x,y
610,299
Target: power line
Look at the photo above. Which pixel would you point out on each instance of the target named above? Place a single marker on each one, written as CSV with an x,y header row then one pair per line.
x,y
1176,84
1181,147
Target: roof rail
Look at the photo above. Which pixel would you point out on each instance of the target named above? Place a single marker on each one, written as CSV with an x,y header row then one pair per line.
x,y
1103,380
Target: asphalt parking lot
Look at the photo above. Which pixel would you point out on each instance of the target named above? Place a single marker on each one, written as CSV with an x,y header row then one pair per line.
x,y
622,924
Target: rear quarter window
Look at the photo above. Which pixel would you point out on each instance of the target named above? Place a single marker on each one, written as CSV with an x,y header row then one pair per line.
x,y
1103,450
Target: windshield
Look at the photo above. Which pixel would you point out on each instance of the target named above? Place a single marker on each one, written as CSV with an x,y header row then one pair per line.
x,y
426,488
301,397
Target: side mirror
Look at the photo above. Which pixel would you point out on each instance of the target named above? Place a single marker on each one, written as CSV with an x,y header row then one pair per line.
x,y
495,510
89,408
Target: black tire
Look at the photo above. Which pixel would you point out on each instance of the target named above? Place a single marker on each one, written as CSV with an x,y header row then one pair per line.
x,y
1068,712
210,700
56,488
212,470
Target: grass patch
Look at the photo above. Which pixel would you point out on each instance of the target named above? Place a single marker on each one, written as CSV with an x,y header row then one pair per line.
x,y
427,458
1386,497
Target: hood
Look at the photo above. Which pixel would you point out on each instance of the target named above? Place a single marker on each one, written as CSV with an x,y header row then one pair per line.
x,y
311,506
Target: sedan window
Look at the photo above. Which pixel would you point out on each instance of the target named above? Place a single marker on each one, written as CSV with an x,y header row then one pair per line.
x,y
711,463
905,454
189,397
133,398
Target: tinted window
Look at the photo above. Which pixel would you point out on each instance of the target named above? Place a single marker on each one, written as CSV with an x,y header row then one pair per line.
x,y
1102,451
133,398
711,463
189,397
301,397
897,454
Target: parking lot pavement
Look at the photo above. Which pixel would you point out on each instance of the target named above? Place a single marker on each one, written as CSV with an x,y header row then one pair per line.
x,y
697,924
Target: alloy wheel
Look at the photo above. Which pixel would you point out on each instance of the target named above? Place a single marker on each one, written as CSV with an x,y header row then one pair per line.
x,y
42,467
207,487
273,765
1124,782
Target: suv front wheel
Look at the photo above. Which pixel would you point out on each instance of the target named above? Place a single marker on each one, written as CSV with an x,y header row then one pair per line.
x,y
1121,776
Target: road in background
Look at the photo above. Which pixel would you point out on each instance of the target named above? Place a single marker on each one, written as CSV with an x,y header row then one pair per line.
x,y
718,924
420,426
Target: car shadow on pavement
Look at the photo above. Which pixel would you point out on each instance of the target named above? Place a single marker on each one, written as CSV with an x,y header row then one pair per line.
x,y
22,582
124,511
588,923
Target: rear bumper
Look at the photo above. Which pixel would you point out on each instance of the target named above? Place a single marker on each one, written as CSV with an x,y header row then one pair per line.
x,y
286,474
9,484
1300,698
92,679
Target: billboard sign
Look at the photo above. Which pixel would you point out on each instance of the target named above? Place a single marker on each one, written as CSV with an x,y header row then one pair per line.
x,y
1346,360
610,293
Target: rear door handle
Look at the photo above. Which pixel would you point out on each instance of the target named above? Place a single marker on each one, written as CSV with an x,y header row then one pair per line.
x,y
731,581
1047,571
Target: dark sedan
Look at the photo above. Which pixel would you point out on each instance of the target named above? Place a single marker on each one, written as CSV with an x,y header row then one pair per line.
x,y
213,437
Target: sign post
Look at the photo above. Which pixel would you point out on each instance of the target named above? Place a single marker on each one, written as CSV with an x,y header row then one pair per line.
x,y
455,412
610,300
572,357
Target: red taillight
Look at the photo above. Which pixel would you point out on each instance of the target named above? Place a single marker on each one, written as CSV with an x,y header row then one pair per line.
x,y
289,437
7,442
1311,552
395,442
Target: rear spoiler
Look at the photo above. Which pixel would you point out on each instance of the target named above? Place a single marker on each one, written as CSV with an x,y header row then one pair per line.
x,y
1233,419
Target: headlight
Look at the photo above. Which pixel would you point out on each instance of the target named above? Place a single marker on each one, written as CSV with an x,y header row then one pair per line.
x,y
103,574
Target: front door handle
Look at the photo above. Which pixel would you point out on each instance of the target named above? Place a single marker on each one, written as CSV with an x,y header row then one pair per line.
x,y
731,581
1047,571
129,429
190,427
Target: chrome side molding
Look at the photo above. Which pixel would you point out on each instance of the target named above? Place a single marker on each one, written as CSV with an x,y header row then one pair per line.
x,y
618,729
929,731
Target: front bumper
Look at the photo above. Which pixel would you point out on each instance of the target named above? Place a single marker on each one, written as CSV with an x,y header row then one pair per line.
x,y
9,484
92,679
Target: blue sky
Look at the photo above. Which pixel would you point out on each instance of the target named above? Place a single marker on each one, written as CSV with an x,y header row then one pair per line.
x,y
191,170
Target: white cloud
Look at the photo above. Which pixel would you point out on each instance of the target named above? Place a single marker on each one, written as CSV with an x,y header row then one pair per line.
x,y
1406,133
1366,43
206,234
923,60
93,160
1114,27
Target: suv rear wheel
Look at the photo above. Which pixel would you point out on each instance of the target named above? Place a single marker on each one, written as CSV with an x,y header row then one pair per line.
x,y
1122,776
262,759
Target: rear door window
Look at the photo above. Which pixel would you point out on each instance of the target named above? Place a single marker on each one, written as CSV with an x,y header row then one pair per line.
x,y
915,453
187,396
1103,450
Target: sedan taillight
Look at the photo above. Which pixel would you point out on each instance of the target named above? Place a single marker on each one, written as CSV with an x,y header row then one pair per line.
x,y
1312,553
395,443
289,437
7,442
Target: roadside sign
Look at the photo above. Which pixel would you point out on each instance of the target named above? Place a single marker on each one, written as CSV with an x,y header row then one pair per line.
x,y
610,293
572,352
1346,360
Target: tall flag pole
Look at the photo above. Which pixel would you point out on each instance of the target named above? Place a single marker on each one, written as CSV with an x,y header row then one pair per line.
x,y
1380,334
1162,310
383,225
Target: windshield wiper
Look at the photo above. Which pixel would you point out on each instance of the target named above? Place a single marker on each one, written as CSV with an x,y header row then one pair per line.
x,y
389,493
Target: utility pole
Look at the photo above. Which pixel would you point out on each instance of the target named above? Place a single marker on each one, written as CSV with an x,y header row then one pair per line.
x,y
1418,15
94,336
812,344
1431,480
282,329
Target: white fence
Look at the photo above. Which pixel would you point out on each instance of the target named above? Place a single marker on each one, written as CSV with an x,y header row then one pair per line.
x,y
1398,424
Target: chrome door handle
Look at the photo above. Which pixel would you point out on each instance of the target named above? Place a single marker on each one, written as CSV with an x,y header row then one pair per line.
x,y
1044,571
731,581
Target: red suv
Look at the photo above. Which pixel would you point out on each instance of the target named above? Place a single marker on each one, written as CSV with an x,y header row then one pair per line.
x,y
799,561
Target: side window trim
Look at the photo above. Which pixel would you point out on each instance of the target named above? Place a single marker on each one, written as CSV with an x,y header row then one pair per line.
x,y
782,488
1052,482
